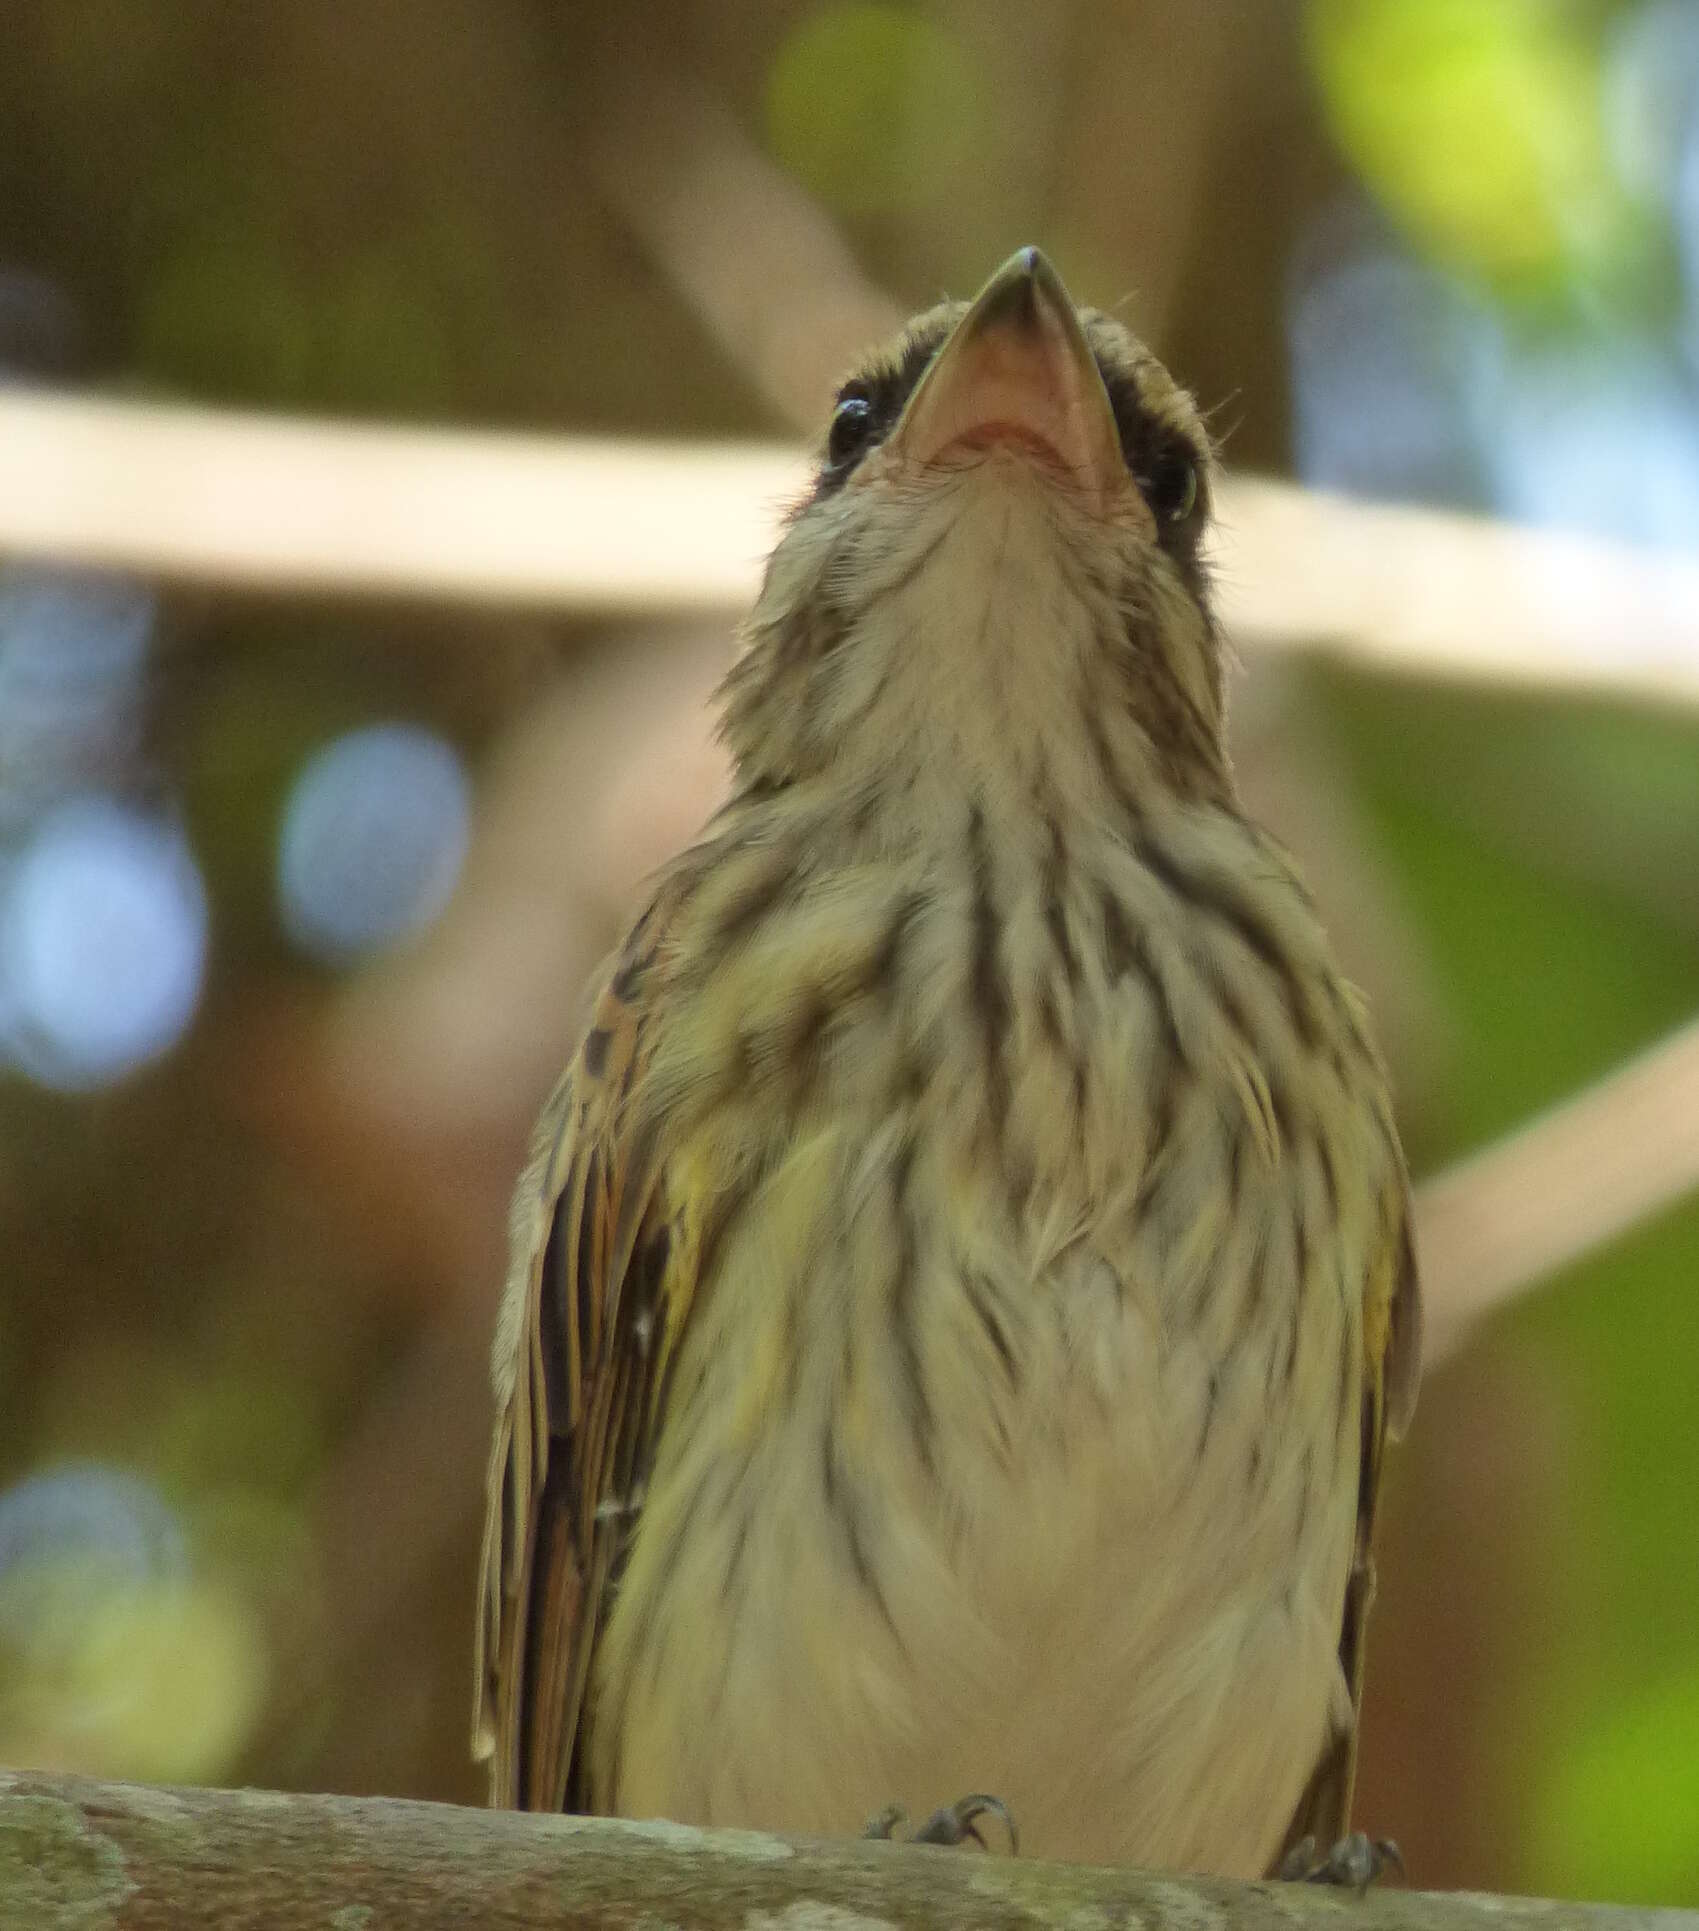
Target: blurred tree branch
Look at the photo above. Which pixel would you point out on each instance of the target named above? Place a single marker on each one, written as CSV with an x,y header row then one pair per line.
x,y
759,263
1582,1173
76,1852
602,525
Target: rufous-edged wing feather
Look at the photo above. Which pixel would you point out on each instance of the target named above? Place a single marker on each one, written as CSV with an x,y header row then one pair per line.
x,y
592,1301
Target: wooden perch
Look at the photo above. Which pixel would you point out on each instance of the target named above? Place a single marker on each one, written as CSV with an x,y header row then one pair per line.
x,y
79,1853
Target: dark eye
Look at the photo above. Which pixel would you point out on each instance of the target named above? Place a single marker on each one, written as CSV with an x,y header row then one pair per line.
x,y
852,424
1171,489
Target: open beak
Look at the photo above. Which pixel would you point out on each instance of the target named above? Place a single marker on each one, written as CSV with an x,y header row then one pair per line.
x,y
1017,373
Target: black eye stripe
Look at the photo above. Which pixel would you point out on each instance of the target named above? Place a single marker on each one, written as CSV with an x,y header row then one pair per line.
x,y
1146,439
1161,457
884,387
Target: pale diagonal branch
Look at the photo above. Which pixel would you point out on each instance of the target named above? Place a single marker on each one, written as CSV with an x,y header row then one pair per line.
x,y
1559,1188
757,260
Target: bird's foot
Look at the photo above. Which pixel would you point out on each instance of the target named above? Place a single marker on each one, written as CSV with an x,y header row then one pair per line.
x,y
1354,1862
956,1823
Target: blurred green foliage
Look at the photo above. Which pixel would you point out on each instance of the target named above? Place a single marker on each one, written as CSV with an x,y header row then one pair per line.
x,y
1480,126
164,1676
876,109
1616,1816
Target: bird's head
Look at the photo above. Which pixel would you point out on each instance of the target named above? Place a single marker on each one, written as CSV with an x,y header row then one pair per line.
x,y
997,569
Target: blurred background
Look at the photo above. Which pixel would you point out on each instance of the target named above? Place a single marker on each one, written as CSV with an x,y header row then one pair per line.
x,y
297,894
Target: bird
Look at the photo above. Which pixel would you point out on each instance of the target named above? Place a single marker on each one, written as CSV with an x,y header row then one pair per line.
x,y
962,1284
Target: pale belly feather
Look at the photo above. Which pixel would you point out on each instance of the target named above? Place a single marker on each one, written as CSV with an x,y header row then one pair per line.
x,y
1126,1626
1087,1553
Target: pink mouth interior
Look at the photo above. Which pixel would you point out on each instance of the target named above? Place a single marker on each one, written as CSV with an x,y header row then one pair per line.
x,y
1001,433
1014,393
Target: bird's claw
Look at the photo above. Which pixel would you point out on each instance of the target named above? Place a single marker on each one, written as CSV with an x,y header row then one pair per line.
x,y
956,1823
1353,1863
882,1825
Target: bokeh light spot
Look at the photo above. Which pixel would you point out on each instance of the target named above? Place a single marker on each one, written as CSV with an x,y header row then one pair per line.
x,y
374,833
115,1659
1479,124
103,940
1651,93
1615,1817
874,108
179,1670
81,1512
1598,437
73,651
1388,361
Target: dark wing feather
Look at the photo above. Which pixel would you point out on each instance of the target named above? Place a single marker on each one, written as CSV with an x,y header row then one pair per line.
x,y
1392,1337
593,1297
